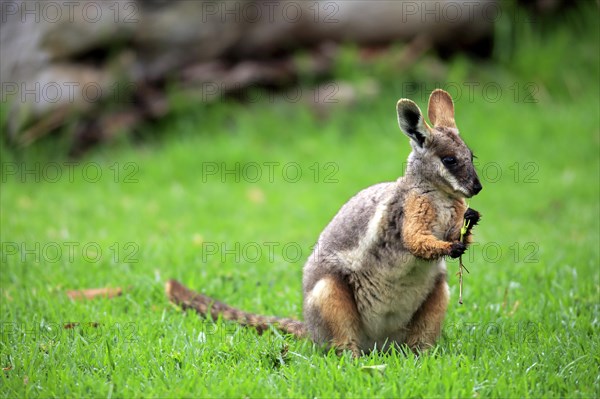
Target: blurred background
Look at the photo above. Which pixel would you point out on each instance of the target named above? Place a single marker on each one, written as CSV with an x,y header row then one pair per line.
x,y
95,71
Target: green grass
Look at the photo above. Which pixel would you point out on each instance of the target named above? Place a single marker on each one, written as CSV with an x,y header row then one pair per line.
x,y
530,323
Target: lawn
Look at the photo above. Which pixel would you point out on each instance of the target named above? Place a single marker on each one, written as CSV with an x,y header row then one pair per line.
x,y
229,197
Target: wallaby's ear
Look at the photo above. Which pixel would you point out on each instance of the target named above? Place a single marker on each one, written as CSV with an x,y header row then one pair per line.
x,y
411,122
441,109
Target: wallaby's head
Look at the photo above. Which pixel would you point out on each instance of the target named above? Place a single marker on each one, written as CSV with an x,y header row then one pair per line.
x,y
439,155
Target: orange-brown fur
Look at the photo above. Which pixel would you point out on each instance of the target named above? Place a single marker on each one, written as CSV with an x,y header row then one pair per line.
x,y
339,314
420,215
205,305
426,324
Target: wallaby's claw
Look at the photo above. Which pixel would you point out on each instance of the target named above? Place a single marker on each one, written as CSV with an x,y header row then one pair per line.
x,y
472,216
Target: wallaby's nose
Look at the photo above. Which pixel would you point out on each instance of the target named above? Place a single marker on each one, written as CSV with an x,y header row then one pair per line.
x,y
477,187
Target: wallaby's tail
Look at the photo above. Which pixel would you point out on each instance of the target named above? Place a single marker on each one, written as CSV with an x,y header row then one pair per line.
x,y
203,305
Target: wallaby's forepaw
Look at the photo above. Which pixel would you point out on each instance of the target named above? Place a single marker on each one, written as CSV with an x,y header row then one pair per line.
x,y
472,217
457,249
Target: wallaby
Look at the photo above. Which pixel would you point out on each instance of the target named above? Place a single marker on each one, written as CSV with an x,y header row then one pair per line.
x,y
377,276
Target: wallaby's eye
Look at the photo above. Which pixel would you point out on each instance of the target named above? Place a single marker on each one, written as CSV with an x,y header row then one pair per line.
x,y
449,161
